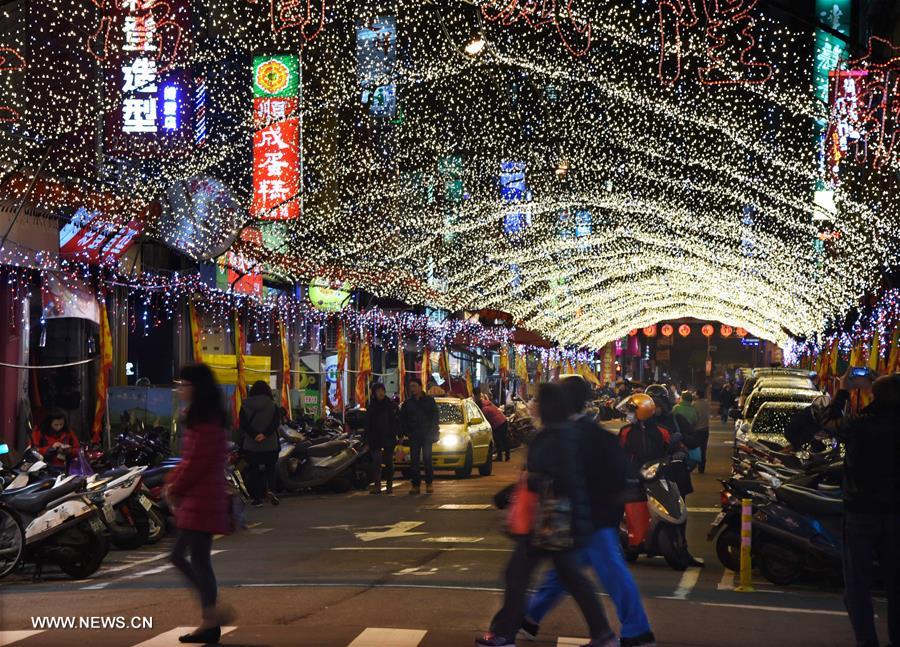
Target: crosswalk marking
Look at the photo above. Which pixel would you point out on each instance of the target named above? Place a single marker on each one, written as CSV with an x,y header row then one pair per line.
x,y
138,574
170,638
377,637
10,637
571,642
687,583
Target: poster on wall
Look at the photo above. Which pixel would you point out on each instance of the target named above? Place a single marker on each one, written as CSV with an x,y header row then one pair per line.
x,y
67,297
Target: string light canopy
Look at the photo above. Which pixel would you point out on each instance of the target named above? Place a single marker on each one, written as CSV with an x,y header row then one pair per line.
x,y
591,171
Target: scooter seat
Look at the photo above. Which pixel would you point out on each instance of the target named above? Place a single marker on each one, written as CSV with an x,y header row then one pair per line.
x,y
114,473
327,449
28,489
33,503
810,501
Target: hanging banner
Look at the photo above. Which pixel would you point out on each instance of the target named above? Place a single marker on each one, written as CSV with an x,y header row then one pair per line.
x,y
426,368
64,296
285,371
276,151
444,368
608,364
401,370
470,390
539,370
363,373
195,332
893,362
240,389
103,373
338,400
504,363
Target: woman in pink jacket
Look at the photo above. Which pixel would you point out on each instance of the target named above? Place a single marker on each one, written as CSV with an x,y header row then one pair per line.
x,y
197,490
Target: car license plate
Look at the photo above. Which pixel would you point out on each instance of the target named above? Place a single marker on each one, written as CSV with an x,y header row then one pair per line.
x,y
719,518
109,513
145,502
96,524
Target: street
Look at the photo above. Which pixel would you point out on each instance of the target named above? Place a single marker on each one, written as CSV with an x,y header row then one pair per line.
x,y
400,571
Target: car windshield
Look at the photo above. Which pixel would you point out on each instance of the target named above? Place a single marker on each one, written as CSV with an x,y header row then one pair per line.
x,y
761,397
450,413
773,421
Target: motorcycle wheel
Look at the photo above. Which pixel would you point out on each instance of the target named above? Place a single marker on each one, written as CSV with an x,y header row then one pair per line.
x,y
288,470
12,540
673,547
728,549
779,564
362,475
488,468
141,524
465,471
90,558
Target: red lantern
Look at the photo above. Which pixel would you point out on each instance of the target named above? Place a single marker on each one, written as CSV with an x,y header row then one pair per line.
x,y
650,331
741,332
707,330
667,330
726,330
632,333
684,330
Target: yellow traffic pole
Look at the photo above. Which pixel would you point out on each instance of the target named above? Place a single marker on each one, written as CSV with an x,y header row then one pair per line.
x,y
746,585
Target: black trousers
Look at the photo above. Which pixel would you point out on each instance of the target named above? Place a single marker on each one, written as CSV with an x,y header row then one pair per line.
x,y
420,452
702,436
383,456
522,563
260,473
867,538
501,441
198,570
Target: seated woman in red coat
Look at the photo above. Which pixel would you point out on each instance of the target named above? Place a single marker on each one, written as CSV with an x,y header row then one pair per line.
x,y
55,440
197,490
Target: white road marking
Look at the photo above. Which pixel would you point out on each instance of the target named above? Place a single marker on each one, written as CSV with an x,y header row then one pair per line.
x,y
399,529
454,540
571,642
366,585
754,607
10,637
710,510
409,548
685,585
465,506
416,570
124,567
137,576
170,638
375,637
727,581
259,531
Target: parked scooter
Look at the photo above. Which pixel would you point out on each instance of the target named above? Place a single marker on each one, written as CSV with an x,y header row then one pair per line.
x,y
304,464
668,518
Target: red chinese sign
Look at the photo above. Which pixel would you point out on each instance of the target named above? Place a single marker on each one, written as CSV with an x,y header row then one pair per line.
x,y
89,239
575,34
731,49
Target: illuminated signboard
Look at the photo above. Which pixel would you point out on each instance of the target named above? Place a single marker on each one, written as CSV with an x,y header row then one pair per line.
x,y
513,189
276,154
376,55
88,238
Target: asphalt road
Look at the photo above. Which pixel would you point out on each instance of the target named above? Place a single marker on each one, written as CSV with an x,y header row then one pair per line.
x,y
400,571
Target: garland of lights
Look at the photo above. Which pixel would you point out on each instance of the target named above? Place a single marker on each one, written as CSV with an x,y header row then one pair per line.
x,y
632,194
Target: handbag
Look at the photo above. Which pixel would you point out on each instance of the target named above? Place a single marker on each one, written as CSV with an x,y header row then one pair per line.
x,y
520,512
553,521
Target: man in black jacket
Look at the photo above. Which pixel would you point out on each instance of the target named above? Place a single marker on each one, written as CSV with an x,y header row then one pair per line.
x,y
381,436
419,422
605,468
871,500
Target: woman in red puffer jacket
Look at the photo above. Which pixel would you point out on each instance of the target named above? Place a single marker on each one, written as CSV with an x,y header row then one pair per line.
x,y
197,490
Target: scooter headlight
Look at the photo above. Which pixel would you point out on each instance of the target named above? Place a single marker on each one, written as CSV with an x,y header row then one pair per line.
x,y
451,441
649,472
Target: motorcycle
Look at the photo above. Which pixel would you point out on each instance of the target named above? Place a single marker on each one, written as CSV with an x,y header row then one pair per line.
x,y
668,513
304,463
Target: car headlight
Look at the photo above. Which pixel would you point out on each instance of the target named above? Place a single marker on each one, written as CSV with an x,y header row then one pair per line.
x,y
451,441
649,472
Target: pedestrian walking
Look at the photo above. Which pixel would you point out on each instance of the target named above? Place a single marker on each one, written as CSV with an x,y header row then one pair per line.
x,y
196,490
499,426
701,428
871,500
606,467
726,401
258,421
381,435
419,422
685,408
552,465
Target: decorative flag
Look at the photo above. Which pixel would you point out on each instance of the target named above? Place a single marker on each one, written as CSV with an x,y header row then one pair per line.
x,y
539,370
469,388
338,402
426,367
285,371
504,363
195,332
856,354
365,371
401,370
874,353
444,368
893,364
102,374
240,388
521,366
835,356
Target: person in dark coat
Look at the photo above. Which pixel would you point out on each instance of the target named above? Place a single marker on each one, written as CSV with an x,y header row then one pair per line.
x,y
196,490
259,420
381,434
553,456
419,421
871,500
499,426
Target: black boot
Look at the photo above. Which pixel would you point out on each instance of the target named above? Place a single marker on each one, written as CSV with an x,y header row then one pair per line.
x,y
210,635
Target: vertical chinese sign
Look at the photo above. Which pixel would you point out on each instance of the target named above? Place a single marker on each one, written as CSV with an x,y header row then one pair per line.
x,y
276,154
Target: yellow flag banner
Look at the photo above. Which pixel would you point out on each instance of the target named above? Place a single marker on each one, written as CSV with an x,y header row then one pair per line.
x,y
401,370
338,403
504,362
285,371
856,354
365,371
521,366
874,353
444,369
425,373
539,370
195,332
470,390
893,363
103,371
240,388
835,357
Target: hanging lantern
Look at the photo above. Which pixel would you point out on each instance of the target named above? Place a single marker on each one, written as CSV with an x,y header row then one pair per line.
x,y
684,330
707,330
667,330
726,330
741,332
650,331
633,332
